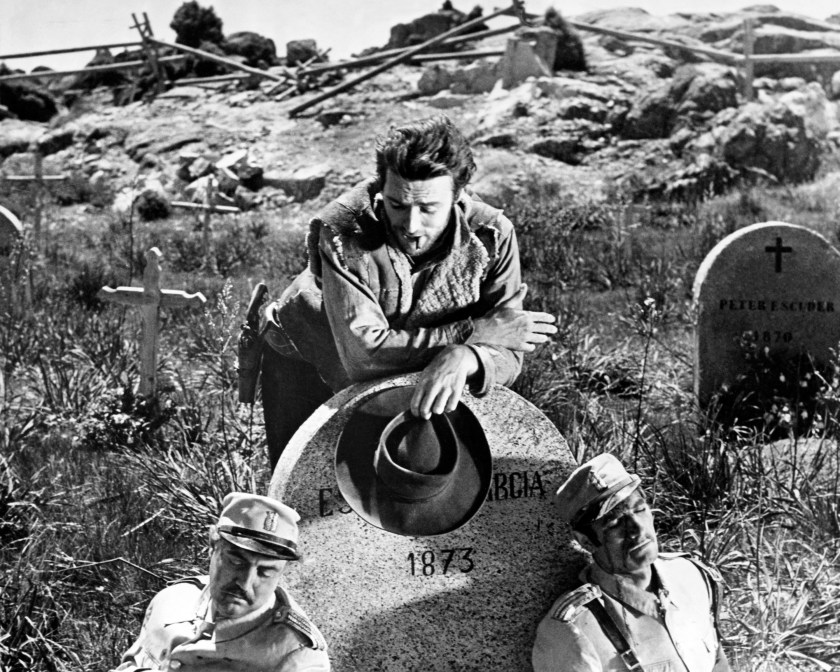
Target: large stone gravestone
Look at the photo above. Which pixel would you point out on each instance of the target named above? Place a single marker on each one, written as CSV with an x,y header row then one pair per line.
x,y
469,599
775,284
11,231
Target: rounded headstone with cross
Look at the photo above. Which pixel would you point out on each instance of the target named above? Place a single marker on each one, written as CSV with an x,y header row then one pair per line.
x,y
466,597
774,285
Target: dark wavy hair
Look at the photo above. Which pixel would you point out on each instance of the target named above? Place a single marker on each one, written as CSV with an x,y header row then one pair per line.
x,y
425,149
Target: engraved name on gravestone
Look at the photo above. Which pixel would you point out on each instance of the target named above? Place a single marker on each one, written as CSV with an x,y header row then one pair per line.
x,y
774,284
466,599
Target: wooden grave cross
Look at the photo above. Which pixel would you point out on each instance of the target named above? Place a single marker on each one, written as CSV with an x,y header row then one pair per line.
x,y
151,298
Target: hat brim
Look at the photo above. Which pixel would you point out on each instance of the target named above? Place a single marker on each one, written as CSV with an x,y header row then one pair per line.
x,y
365,493
263,548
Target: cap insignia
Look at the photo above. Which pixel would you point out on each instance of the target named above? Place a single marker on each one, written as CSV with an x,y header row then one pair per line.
x,y
597,481
270,522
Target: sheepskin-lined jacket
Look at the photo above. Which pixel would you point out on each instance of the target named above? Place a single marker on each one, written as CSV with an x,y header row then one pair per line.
x,y
363,310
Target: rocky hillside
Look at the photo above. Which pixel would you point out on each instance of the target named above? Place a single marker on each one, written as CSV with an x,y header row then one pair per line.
x,y
641,121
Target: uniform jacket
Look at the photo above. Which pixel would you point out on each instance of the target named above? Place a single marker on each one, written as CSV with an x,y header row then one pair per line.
x,y
362,310
178,634
671,631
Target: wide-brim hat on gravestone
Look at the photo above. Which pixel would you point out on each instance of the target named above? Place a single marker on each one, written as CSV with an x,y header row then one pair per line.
x,y
412,476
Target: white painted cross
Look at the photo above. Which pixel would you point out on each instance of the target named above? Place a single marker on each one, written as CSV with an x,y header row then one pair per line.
x,y
150,297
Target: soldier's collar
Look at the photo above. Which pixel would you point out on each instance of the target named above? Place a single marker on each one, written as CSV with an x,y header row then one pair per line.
x,y
231,628
622,590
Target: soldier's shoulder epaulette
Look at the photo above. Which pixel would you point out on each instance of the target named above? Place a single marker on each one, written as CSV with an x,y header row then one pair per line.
x,y
289,614
568,606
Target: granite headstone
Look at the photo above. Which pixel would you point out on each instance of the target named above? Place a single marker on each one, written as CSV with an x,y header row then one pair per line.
x,y
774,284
11,231
468,599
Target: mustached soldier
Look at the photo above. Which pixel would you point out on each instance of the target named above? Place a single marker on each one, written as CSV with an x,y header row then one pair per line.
x,y
239,618
638,609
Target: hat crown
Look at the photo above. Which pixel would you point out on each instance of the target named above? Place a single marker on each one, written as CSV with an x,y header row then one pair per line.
x,y
414,444
260,524
594,488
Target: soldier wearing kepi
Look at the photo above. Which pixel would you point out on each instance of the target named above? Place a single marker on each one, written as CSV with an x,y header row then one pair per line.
x,y
238,618
638,609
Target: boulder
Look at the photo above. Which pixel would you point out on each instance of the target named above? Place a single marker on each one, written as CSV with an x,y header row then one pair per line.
x,y
478,77
4,113
422,29
705,87
55,141
562,148
302,51
302,184
435,78
569,53
772,138
194,24
651,116
16,135
148,200
446,100
635,20
26,100
257,50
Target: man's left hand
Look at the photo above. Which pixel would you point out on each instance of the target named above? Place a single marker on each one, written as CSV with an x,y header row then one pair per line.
x,y
442,381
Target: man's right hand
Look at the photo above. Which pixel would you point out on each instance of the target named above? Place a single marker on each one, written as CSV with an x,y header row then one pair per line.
x,y
513,328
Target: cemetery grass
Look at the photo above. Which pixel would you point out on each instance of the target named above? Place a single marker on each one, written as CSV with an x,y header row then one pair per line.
x,y
105,497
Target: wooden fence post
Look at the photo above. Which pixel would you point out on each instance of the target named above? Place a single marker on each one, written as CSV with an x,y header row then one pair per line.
x,y
749,66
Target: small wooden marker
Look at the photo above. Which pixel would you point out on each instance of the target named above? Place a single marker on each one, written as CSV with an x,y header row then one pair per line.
x,y
151,298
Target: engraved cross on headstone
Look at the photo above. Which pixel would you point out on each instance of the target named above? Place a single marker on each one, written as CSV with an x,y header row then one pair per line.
x,y
150,297
779,251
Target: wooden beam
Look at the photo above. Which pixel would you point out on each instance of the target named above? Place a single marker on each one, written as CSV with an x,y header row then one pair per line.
x,y
69,50
401,58
201,206
48,74
796,58
725,56
457,55
212,80
207,56
749,66
382,55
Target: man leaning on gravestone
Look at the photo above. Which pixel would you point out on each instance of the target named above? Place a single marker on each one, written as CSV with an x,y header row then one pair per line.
x,y
239,618
407,272
638,609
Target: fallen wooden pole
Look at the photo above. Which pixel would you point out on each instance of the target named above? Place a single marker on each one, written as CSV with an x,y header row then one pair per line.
x,y
457,55
201,206
69,50
207,56
30,178
48,74
795,58
233,77
382,55
345,86
714,53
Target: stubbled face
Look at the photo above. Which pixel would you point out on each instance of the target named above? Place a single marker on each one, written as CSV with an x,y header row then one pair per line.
x,y
418,211
241,581
627,540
